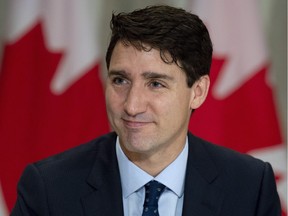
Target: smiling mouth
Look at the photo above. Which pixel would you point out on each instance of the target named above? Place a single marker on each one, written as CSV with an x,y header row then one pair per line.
x,y
135,124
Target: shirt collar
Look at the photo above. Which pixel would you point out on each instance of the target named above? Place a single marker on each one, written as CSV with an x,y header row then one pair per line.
x,y
133,178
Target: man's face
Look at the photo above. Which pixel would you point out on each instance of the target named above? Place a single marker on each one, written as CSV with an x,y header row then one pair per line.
x,y
148,102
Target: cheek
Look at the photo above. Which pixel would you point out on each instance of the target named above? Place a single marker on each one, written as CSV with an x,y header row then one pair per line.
x,y
165,107
114,103
111,100
178,100
174,107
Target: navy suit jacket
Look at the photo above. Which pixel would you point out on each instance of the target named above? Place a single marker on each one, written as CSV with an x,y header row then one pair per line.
x,y
85,181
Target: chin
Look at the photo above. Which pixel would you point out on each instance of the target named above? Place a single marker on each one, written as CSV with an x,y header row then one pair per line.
x,y
137,145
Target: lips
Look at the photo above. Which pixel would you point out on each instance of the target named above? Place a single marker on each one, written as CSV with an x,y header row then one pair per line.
x,y
135,124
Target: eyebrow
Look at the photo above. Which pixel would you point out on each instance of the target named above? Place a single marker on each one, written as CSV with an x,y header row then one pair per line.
x,y
146,75
156,75
117,73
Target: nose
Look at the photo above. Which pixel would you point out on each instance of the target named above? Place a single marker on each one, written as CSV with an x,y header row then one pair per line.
x,y
136,101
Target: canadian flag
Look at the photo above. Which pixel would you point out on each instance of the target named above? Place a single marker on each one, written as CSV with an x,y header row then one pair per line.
x,y
51,93
240,111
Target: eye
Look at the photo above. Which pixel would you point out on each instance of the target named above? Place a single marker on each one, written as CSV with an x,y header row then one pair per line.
x,y
156,84
119,81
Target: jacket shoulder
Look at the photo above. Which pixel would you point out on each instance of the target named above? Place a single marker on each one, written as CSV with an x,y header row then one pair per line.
x,y
242,179
80,155
228,161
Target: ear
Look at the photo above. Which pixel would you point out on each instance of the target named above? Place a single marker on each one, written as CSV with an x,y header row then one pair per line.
x,y
199,92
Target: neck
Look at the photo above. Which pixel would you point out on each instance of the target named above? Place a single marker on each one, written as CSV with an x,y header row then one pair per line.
x,y
155,163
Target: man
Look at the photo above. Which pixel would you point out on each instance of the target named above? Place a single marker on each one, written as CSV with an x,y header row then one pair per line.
x,y
158,63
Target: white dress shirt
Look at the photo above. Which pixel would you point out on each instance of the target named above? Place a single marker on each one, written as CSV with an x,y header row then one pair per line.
x,y
133,180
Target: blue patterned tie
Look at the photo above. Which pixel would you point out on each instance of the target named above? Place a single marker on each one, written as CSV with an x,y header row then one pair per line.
x,y
153,190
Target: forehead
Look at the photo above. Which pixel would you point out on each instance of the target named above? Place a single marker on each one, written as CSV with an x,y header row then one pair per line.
x,y
127,57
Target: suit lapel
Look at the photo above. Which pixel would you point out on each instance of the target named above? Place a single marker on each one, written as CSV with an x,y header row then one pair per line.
x,y
104,179
201,195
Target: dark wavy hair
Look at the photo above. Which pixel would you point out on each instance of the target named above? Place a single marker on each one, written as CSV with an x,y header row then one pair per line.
x,y
182,34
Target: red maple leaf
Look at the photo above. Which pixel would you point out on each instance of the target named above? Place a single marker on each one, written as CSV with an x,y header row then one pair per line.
x,y
244,120
34,123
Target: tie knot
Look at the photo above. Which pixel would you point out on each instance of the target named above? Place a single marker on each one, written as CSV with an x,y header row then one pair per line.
x,y
153,190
